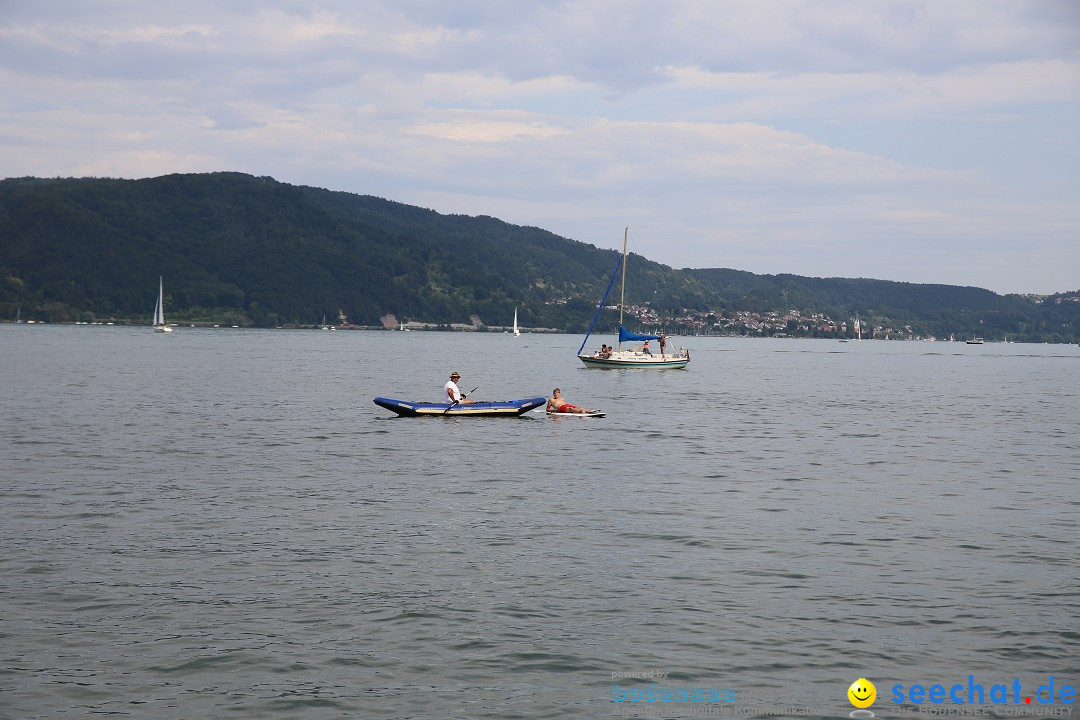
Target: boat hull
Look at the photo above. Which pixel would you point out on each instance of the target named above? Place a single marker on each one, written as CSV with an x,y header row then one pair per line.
x,y
628,359
504,408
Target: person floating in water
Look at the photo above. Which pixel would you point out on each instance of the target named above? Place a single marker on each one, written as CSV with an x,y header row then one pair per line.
x,y
556,404
451,392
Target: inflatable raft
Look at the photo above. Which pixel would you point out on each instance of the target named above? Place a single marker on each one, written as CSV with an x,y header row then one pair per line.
x,y
503,408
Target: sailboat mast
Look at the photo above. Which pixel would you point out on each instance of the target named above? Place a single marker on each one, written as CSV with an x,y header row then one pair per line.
x,y
622,290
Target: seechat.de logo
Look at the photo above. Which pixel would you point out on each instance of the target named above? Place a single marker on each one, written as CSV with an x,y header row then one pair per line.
x,y
977,693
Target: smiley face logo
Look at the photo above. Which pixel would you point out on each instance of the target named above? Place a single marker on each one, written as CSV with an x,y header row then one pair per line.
x,y
862,693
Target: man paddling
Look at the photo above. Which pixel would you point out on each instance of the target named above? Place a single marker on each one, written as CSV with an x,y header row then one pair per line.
x,y
556,404
451,391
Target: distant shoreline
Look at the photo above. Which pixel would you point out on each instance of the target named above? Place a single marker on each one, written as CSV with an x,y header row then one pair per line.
x,y
433,327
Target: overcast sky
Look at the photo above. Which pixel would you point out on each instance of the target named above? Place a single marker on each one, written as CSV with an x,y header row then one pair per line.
x,y
922,141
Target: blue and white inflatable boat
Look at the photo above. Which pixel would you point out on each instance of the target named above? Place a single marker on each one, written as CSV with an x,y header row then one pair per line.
x,y
503,408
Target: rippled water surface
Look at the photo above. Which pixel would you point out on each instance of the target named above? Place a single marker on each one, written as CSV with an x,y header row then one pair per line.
x,y
220,523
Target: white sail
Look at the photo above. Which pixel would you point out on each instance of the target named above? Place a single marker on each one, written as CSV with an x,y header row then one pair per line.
x,y
517,332
159,309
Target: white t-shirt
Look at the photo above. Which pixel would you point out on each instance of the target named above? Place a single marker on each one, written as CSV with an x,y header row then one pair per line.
x,y
451,389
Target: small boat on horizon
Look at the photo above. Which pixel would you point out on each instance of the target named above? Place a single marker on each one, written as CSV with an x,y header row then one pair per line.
x,y
159,309
974,341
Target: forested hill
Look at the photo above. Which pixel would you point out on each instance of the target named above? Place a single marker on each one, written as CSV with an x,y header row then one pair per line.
x,y
263,252
930,309
238,249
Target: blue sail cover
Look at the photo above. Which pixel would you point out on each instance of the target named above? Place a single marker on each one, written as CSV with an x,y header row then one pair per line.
x,y
601,305
627,336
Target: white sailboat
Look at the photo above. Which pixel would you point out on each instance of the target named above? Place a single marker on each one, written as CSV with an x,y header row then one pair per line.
x,y
517,331
633,358
159,310
858,327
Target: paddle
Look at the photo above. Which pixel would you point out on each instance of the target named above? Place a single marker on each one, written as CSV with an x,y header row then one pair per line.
x,y
457,401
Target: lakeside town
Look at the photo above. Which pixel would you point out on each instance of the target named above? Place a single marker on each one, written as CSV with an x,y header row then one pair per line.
x,y
774,324
740,323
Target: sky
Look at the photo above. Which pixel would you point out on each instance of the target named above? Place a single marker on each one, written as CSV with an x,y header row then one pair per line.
x,y
931,141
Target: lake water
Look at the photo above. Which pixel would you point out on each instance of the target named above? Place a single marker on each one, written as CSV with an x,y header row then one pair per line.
x,y
220,523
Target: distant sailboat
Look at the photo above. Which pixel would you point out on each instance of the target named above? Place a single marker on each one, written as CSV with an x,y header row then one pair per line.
x,y
18,316
517,332
858,327
159,310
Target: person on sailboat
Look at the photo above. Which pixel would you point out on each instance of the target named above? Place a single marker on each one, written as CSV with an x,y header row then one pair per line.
x,y
663,343
452,393
645,348
556,404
